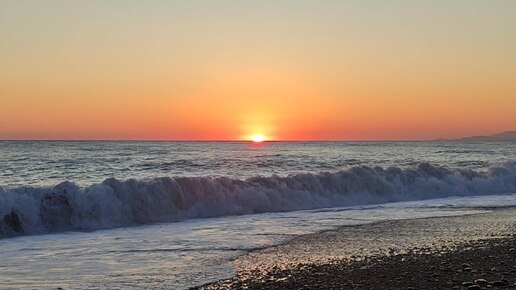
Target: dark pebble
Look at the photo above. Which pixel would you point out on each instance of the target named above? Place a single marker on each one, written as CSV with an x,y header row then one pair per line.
x,y
499,283
481,282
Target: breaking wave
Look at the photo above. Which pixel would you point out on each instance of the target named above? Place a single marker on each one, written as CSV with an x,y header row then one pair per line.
x,y
115,203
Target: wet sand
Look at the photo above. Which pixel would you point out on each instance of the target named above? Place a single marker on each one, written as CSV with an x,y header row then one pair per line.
x,y
431,253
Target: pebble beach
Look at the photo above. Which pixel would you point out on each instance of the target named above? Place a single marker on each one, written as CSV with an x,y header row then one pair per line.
x,y
466,252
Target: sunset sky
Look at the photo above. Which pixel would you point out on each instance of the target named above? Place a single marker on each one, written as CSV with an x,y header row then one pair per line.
x,y
226,70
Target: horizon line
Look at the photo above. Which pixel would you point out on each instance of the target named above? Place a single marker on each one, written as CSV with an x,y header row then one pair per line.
x,y
222,141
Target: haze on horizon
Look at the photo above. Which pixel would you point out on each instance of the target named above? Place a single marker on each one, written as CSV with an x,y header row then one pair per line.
x,y
225,70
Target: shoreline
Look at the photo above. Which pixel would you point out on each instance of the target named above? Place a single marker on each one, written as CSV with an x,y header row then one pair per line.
x,y
398,254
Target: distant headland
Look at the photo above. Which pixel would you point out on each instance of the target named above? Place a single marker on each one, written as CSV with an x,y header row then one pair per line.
x,y
507,136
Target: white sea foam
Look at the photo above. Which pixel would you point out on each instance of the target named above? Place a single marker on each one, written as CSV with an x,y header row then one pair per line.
x,y
114,203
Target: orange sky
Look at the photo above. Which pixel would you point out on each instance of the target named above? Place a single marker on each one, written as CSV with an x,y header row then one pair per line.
x,y
225,70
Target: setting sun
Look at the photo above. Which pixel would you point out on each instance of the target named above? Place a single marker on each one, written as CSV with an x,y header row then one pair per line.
x,y
258,138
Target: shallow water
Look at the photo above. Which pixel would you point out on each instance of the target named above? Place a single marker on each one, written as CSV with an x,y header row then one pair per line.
x,y
187,253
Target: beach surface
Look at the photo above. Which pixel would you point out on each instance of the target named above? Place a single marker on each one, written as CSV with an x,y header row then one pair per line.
x,y
466,252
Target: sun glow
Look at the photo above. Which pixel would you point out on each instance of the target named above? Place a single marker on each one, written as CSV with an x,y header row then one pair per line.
x,y
258,138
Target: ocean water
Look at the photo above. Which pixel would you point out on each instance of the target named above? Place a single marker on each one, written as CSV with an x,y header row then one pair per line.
x,y
172,214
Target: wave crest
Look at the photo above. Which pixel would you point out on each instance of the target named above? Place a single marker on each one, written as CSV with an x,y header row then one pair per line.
x,y
114,203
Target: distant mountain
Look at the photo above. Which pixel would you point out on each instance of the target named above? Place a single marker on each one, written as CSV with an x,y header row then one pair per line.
x,y
508,136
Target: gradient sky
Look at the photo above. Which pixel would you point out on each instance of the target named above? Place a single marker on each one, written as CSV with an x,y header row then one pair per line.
x,y
288,69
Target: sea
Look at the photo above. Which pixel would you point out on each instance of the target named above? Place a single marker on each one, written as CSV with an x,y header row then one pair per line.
x,y
172,215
